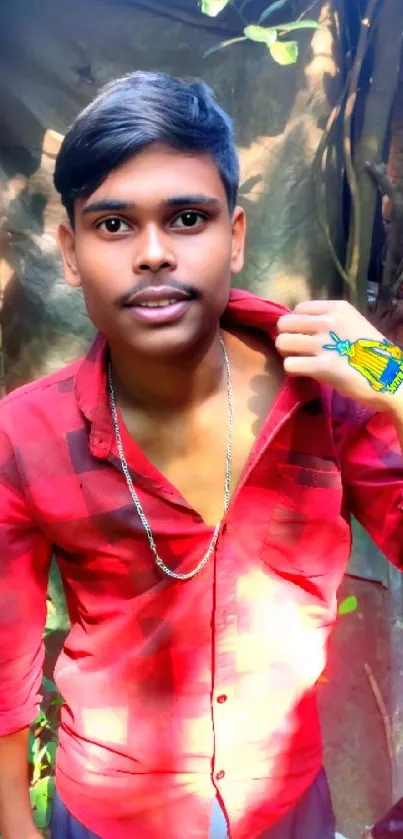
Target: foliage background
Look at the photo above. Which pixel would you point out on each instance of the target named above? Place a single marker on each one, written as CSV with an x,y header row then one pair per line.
x,y
291,123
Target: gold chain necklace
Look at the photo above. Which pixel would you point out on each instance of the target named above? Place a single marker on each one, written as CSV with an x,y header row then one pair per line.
x,y
133,493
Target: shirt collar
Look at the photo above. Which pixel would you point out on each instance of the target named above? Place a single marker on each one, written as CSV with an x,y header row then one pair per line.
x,y
244,309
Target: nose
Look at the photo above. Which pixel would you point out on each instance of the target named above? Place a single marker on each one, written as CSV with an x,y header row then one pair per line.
x,y
153,251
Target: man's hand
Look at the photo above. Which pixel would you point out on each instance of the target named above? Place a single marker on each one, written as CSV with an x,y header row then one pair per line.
x,y
16,818
32,833
332,342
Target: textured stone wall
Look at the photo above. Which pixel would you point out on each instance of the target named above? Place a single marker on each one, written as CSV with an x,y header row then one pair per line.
x,y
54,57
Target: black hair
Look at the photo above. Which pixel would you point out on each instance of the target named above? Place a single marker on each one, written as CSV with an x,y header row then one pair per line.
x,y
134,111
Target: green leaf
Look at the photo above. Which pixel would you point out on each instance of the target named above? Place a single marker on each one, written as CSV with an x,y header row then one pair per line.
x,y
41,804
56,702
38,765
50,751
41,797
49,685
270,9
38,791
42,753
261,34
348,605
41,818
212,8
223,44
299,24
284,52
34,745
44,787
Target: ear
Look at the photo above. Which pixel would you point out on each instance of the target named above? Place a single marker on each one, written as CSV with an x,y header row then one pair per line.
x,y
66,240
238,223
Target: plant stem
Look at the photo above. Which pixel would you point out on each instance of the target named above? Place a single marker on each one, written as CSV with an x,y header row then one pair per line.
x,y
353,252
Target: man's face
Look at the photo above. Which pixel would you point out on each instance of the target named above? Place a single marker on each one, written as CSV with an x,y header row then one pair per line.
x,y
154,248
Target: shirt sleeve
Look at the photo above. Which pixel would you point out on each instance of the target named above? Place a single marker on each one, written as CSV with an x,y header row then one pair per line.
x,y
372,469
24,568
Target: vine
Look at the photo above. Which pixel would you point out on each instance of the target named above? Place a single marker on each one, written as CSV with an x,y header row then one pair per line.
x,y
282,51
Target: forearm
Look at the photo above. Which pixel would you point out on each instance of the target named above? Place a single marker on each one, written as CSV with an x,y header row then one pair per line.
x,y
16,821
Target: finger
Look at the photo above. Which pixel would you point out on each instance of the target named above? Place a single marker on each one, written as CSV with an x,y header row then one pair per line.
x,y
315,307
295,365
289,343
306,324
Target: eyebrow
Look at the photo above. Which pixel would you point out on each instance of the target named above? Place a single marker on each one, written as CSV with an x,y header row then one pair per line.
x,y
111,204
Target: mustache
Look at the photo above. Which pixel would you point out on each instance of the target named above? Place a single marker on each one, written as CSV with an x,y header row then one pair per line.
x,y
146,282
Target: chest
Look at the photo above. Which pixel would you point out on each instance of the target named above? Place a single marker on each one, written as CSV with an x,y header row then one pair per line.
x,y
194,451
285,520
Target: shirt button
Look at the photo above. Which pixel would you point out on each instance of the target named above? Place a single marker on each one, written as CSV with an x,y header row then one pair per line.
x,y
222,698
220,775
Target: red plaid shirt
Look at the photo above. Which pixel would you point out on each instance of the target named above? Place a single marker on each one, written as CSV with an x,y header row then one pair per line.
x,y
176,691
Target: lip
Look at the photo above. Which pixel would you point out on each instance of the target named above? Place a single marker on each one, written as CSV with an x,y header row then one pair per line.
x,y
156,294
160,315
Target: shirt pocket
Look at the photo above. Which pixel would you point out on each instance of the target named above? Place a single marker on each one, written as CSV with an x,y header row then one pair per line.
x,y
305,524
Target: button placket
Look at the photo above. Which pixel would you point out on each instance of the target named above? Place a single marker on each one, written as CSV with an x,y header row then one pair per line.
x,y
225,656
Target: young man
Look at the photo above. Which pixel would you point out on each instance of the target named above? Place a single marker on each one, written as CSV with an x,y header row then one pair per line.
x,y
194,476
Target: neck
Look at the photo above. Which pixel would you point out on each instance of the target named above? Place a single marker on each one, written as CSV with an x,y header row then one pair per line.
x,y
168,384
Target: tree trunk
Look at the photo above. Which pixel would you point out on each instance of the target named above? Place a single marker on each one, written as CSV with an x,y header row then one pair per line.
x,y
390,313
371,143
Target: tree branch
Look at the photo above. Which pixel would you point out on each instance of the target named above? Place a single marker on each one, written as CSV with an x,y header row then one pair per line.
x,y
382,710
392,276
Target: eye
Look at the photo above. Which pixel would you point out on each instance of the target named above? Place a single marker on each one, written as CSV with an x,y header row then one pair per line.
x,y
113,225
189,219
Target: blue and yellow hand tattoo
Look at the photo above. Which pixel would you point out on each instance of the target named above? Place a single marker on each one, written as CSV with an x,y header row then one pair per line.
x,y
380,362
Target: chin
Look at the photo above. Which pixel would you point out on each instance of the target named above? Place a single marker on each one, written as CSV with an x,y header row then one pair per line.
x,y
166,344
169,342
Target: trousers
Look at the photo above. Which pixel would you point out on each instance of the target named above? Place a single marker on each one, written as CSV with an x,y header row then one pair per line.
x,y
311,817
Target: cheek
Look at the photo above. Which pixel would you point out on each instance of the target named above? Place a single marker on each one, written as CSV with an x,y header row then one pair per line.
x,y
211,260
91,260
219,274
101,268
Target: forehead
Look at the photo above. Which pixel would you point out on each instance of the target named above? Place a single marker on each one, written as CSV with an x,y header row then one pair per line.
x,y
158,172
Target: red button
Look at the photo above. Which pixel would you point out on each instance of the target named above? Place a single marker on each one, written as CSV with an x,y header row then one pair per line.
x,y
220,775
221,698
